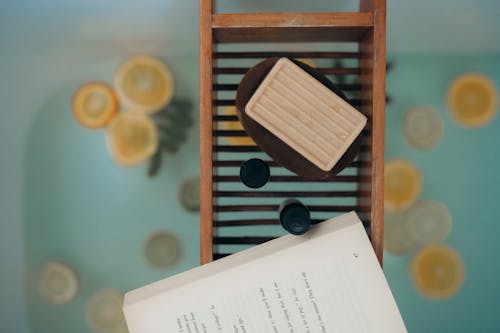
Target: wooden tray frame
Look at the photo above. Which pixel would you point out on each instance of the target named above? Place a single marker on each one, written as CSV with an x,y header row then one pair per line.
x,y
367,27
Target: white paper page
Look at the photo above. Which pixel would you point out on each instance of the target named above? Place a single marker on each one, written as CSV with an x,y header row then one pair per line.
x,y
328,280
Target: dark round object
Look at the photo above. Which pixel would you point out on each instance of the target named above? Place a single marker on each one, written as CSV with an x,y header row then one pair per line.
x,y
278,150
254,173
295,217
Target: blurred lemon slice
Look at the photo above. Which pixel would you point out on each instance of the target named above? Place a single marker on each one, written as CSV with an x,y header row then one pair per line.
x,y
437,271
104,312
402,185
429,220
472,100
234,126
307,61
144,83
132,138
422,127
57,282
189,194
162,249
95,104
399,239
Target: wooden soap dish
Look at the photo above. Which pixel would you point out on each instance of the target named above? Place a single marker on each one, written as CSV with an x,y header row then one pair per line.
x,y
281,152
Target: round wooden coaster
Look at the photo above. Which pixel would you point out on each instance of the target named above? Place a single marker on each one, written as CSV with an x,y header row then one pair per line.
x,y
278,150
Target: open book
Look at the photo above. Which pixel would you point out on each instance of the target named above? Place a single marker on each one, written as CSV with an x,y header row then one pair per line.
x,y
327,280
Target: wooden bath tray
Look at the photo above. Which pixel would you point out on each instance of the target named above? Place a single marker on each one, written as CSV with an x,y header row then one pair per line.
x,y
233,217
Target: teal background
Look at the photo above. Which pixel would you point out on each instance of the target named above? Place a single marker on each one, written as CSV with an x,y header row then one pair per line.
x,y
61,197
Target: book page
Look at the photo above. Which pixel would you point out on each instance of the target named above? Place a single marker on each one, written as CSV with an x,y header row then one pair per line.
x,y
328,280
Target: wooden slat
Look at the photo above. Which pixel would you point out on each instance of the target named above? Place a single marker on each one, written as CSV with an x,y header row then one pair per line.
x,y
324,70
292,20
230,133
261,222
254,149
242,240
291,27
286,194
356,102
221,118
220,255
252,222
296,54
291,179
206,213
270,208
238,163
234,87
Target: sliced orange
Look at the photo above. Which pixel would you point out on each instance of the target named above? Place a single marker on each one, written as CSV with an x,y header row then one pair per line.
x,y
144,83
402,185
163,249
399,239
132,138
104,313
307,61
422,127
58,282
429,220
472,100
234,126
438,271
95,104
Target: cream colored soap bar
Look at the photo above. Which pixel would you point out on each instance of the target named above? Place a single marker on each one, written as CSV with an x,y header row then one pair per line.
x,y
305,114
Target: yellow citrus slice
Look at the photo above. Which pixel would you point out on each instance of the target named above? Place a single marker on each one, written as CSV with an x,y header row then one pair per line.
x,y
399,239
162,249
95,104
472,100
104,313
132,138
429,220
437,271
308,61
234,126
58,283
422,127
402,185
144,83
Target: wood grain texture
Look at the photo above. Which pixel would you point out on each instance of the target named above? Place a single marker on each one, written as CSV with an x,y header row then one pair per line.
x,y
290,34
372,63
284,20
291,27
206,210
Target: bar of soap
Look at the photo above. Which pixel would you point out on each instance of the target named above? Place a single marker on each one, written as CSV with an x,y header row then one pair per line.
x,y
306,115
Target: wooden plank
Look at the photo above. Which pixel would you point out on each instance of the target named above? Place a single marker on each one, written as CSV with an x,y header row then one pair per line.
x,y
373,62
356,102
294,54
291,27
326,70
272,208
238,163
256,149
286,194
341,86
292,20
292,179
252,222
206,217
242,240
289,34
